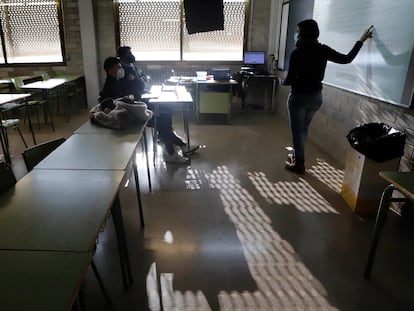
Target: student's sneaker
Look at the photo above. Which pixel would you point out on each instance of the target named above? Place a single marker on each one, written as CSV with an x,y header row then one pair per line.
x,y
175,158
193,148
298,168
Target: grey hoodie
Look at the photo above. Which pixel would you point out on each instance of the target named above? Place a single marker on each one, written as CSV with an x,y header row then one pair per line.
x,y
123,116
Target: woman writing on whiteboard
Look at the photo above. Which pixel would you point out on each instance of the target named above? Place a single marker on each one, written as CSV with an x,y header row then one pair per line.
x,y
306,71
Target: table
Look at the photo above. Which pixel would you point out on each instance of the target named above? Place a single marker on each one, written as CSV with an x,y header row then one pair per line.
x,y
178,99
9,98
63,210
111,151
275,84
90,128
57,210
45,87
37,280
210,97
402,182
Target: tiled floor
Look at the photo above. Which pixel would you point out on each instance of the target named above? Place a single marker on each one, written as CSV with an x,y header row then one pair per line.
x,y
236,231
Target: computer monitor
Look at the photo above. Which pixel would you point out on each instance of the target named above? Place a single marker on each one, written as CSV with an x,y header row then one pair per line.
x,y
254,58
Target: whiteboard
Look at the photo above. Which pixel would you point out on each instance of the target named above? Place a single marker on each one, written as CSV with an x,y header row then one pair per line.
x,y
384,68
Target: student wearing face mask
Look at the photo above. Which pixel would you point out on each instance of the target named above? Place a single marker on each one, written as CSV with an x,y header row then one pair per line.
x,y
306,71
134,83
114,73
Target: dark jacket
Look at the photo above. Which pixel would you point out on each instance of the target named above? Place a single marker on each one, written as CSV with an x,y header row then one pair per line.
x,y
111,88
133,82
308,62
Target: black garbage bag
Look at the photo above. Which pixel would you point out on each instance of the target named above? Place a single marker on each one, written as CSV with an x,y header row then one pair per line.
x,y
377,141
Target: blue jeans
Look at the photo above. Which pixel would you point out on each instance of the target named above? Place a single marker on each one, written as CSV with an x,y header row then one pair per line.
x,y
301,109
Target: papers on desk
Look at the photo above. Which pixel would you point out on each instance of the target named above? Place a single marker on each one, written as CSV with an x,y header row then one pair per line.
x,y
169,88
155,92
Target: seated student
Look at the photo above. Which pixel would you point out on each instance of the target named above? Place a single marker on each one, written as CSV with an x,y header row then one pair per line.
x,y
134,82
121,113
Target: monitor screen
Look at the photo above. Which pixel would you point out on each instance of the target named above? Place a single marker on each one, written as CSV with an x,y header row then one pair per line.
x,y
254,58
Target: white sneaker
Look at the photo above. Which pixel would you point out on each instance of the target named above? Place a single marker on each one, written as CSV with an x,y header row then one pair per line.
x,y
175,158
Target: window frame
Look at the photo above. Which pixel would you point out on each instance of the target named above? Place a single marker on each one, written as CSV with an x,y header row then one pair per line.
x,y
59,8
182,25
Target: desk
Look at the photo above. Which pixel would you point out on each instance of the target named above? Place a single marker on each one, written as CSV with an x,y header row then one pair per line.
x,y
46,87
111,151
90,128
57,210
5,99
47,281
63,210
403,182
178,100
213,97
275,84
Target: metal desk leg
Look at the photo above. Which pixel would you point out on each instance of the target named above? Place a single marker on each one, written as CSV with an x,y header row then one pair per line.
x,y
381,214
141,213
272,108
144,133
30,121
187,130
154,138
122,244
101,285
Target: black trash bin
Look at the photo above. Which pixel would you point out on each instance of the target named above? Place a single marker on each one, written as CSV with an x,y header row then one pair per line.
x,y
374,147
377,141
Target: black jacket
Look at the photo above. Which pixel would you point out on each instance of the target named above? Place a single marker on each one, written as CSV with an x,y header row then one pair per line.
x,y
307,65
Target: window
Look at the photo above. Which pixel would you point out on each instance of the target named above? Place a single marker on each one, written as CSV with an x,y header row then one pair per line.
x,y
156,31
31,32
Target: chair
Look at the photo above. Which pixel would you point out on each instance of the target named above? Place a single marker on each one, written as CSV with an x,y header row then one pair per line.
x,y
6,125
14,107
35,103
7,178
33,155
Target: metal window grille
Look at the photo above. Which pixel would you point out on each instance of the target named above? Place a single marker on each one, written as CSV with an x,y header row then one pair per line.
x,y
156,31
30,31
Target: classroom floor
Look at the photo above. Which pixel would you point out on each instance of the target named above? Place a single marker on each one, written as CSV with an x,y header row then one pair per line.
x,y
236,231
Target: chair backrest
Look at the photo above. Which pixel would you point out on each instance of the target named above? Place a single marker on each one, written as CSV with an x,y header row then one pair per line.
x,y
45,76
17,83
7,178
33,155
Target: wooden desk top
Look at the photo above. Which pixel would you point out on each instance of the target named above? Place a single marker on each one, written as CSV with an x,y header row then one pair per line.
x,y
44,281
7,98
179,95
403,181
69,78
45,85
111,151
216,82
57,210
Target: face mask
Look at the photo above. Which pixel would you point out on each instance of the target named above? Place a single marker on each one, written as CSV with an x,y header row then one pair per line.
x,y
296,37
120,73
131,59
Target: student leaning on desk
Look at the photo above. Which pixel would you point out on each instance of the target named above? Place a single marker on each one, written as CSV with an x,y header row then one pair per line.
x,y
306,71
